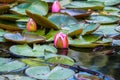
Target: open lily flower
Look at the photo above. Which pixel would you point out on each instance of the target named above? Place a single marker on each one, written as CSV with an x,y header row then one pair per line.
x,y
61,40
31,25
56,6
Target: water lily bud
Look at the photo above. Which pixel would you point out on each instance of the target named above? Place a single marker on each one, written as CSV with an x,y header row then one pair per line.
x,y
31,25
56,6
61,40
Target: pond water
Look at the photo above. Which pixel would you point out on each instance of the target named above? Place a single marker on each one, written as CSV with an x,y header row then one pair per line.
x,y
94,60
99,61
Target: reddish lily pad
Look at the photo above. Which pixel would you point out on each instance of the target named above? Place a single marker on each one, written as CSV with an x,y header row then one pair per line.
x,y
76,13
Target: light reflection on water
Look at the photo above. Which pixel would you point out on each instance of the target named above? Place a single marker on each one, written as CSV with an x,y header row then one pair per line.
x,y
107,64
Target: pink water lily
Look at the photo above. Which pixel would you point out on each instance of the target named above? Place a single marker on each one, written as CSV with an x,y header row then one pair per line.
x,y
56,6
31,25
61,40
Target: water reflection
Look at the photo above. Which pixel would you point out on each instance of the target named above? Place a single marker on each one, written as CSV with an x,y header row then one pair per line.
x,y
107,64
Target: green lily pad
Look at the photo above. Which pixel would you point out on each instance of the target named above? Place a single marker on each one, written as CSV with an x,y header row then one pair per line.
x,y
75,30
27,51
62,20
59,59
40,20
43,72
90,28
25,38
15,77
107,30
2,32
87,41
38,7
8,65
117,28
108,2
11,17
103,19
34,61
94,5
4,24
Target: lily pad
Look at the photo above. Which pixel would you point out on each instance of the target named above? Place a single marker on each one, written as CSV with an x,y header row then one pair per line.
x,y
103,19
76,13
34,61
11,17
94,5
62,20
117,28
4,24
38,7
40,20
107,30
8,65
87,41
75,30
27,51
25,38
15,77
90,28
108,2
59,59
43,72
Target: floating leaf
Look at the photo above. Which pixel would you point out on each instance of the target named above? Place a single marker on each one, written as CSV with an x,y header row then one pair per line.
x,y
9,25
62,20
59,59
76,13
27,51
38,7
11,17
87,41
75,30
8,65
43,72
107,29
108,2
18,38
85,5
88,29
34,61
41,20
36,51
39,72
103,19
25,38
15,77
